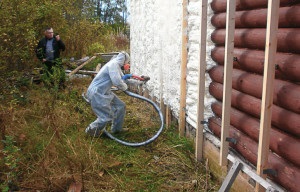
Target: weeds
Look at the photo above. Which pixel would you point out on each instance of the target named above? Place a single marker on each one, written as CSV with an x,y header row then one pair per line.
x,y
56,152
10,161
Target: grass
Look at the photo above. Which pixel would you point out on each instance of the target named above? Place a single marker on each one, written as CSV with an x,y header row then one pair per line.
x,y
45,128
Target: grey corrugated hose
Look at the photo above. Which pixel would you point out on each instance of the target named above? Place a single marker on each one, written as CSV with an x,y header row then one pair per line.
x,y
138,144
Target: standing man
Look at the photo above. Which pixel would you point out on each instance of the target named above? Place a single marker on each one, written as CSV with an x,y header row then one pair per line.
x,y
48,52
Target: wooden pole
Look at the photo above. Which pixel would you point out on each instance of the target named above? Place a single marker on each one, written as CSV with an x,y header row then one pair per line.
x,y
80,66
201,81
184,53
268,88
229,46
168,116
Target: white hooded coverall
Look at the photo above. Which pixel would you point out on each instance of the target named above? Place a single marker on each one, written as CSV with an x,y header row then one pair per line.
x,y
105,104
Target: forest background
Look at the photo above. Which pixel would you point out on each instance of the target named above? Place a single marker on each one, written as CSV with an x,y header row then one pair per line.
x,y
85,26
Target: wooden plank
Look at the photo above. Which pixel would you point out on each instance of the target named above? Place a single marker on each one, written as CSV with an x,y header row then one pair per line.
x,y
201,81
80,66
98,67
162,107
168,116
83,72
184,53
268,86
229,46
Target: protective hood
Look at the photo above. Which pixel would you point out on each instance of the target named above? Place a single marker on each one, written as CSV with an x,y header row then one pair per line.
x,y
122,58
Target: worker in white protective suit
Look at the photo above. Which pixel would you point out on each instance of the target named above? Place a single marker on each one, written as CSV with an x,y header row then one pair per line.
x,y
105,104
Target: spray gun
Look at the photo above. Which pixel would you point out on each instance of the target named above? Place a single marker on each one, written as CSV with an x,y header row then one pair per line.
x,y
141,78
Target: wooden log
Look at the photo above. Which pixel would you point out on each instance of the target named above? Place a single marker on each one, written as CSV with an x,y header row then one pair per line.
x,y
287,64
288,17
288,39
98,67
82,65
286,94
83,72
281,143
220,5
288,175
283,119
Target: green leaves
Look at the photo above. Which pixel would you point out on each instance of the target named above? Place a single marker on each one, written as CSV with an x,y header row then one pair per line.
x,y
79,24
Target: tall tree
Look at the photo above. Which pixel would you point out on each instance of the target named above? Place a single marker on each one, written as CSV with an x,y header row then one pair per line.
x,y
111,11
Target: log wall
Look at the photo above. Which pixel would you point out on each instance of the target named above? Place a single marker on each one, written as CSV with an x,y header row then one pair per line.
x,y
247,83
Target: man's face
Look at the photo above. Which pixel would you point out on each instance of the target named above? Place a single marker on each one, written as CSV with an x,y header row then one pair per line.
x,y
49,33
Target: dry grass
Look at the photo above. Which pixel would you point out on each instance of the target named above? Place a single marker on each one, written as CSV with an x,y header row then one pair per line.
x,y
55,152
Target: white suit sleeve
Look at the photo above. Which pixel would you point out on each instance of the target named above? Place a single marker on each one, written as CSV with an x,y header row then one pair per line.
x,y
115,74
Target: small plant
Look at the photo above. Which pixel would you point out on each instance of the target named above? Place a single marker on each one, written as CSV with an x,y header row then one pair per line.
x,y
10,161
95,48
55,76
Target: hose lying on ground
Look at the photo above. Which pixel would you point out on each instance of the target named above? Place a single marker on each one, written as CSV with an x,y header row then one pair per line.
x,y
138,144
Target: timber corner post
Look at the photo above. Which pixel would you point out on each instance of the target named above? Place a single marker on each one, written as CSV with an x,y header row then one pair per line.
x,y
184,54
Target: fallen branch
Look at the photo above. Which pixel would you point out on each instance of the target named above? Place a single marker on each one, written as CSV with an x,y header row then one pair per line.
x,y
83,72
79,67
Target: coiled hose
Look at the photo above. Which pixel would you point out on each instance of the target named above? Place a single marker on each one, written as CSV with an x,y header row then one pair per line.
x,y
131,144
152,138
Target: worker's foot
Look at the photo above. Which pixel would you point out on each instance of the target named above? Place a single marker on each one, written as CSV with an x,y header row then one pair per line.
x,y
94,132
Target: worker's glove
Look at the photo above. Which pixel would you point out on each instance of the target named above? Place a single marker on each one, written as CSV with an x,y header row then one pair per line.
x,y
127,76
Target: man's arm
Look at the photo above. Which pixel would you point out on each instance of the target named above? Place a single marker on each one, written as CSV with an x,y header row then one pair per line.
x,y
60,43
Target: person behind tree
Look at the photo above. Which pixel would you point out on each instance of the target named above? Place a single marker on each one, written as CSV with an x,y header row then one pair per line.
x,y
48,52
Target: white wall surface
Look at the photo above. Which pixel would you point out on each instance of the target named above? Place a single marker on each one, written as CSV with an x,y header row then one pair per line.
x,y
155,33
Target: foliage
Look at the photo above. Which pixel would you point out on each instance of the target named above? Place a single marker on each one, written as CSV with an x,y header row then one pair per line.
x,y
10,162
23,22
54,77
95,48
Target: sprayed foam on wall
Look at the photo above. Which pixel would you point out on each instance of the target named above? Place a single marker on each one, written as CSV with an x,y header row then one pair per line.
x,y
156,51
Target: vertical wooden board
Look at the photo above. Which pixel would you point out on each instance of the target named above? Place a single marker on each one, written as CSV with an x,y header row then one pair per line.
x,y
162,108
229,46
184,52
268,86
201,81
168,117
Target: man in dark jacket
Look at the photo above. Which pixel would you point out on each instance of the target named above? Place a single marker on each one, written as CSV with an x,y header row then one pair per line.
x,y
48,52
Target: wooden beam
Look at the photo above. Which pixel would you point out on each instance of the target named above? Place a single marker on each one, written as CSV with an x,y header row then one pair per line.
x,y
201,81
162,107
168,116
83,72
184,53
229,46
80,66
268,88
